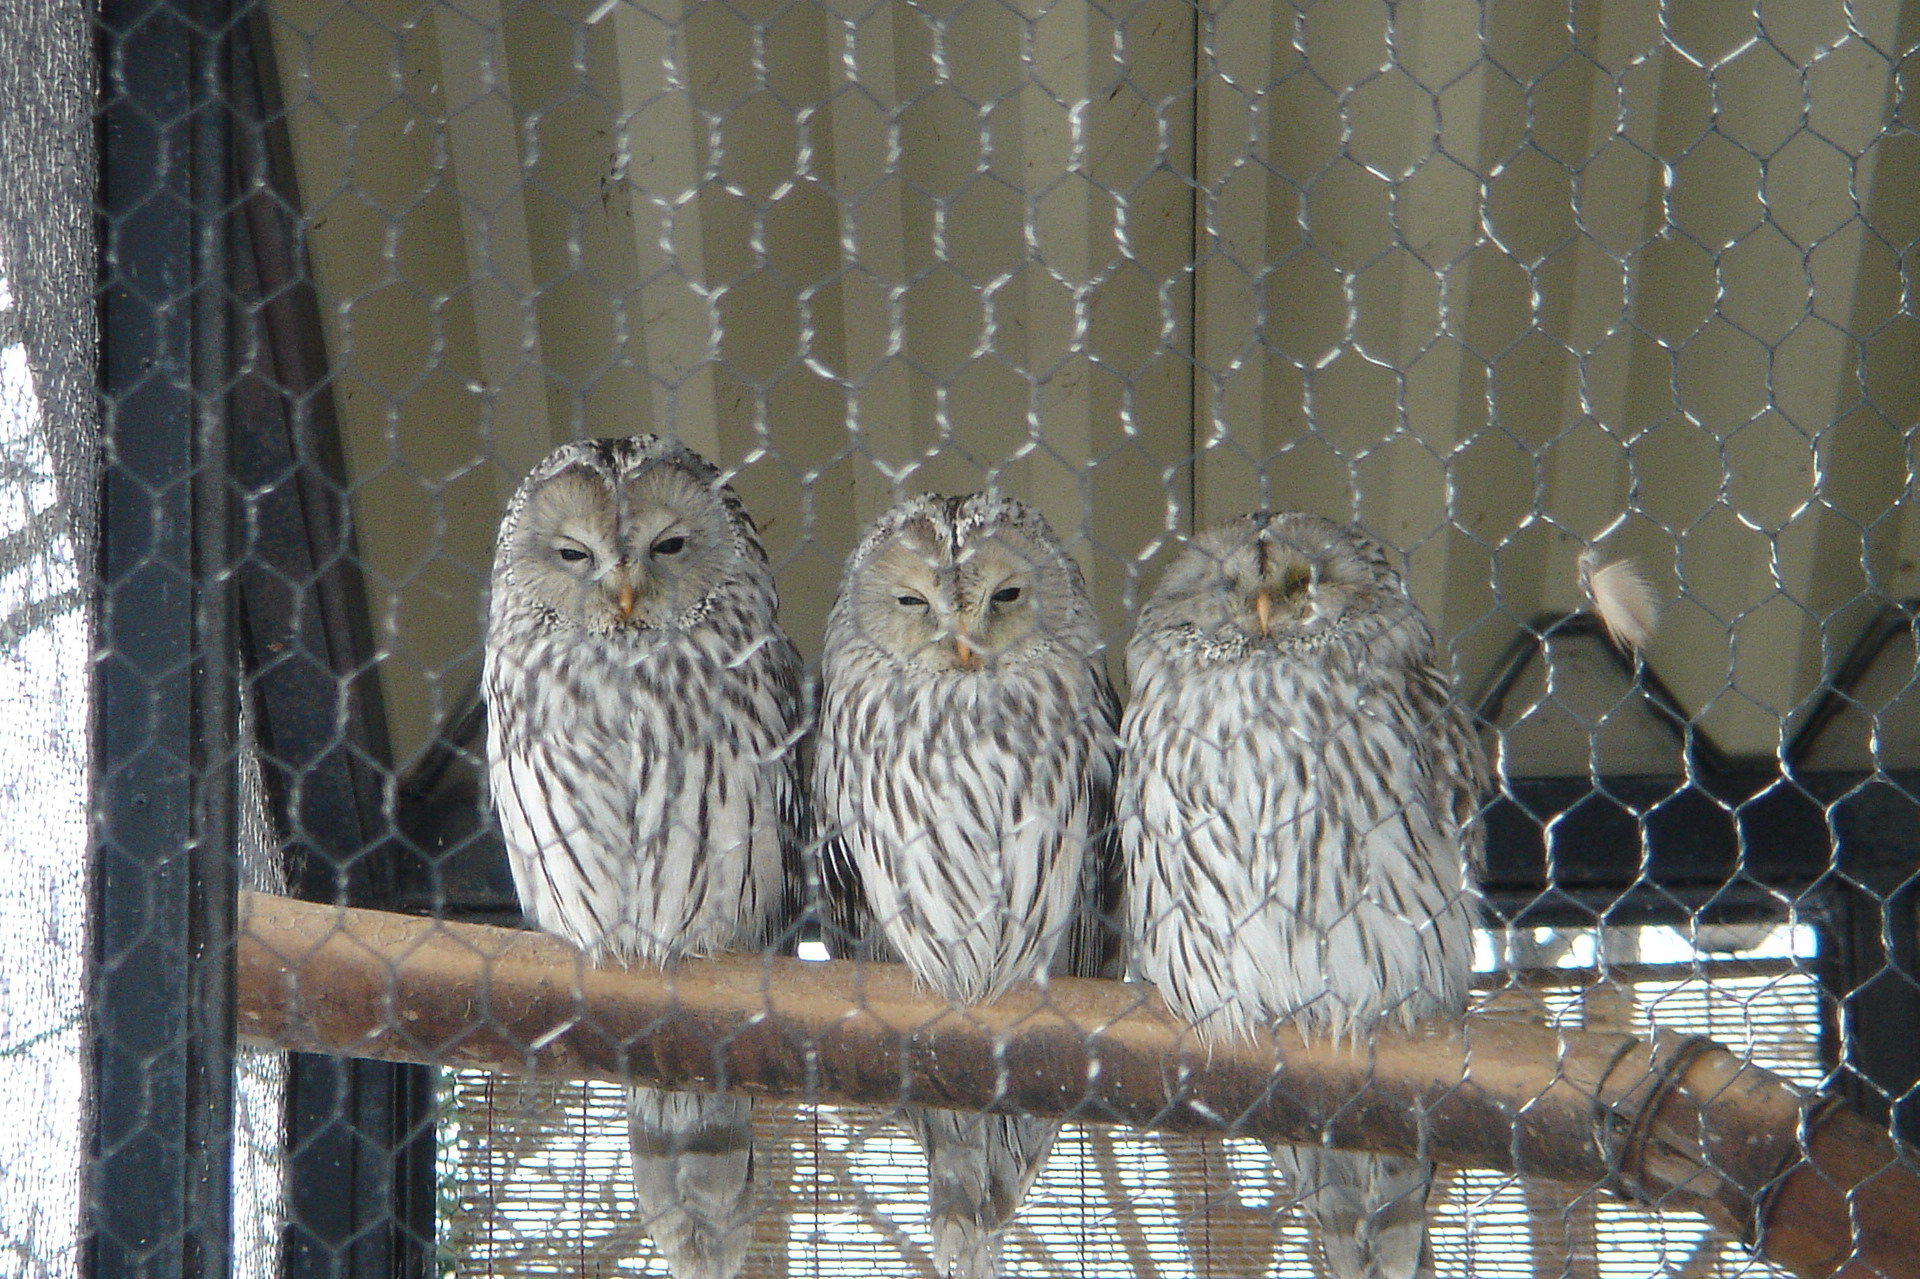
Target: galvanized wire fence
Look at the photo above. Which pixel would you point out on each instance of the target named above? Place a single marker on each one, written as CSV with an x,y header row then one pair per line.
x,y
1502,282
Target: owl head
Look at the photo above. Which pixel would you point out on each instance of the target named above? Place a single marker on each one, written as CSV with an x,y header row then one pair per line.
x,y
624,535
1276,580
963,585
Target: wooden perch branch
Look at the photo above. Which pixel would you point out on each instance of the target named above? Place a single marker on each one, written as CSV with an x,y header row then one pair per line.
x,y
1673,1122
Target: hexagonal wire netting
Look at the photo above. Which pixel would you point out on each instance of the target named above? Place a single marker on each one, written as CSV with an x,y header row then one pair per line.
x,y
1503,282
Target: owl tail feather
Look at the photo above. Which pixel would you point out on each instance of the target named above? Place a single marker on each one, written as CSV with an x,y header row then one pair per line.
x,y
979,1169
963,1248
693,1178
1371,1209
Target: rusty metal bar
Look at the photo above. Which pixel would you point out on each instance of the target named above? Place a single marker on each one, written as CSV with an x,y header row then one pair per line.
x,y
1674,1121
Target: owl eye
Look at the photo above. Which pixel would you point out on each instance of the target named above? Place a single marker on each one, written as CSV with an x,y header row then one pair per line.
x,y
1006,595
670,546
572,554
911,601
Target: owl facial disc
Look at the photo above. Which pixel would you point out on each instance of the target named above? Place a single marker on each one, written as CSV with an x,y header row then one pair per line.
x,y
959,612
622,553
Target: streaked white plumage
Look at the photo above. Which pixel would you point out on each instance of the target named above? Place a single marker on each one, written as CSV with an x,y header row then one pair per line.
x,y
1297,803
963,776
642,711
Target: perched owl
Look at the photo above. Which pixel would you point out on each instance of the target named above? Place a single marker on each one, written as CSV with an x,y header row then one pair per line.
x,y
1298,795
963,774
642,712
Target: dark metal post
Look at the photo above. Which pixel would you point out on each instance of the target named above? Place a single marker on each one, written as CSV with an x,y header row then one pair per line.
x,y
165,885
1870,951
360,1134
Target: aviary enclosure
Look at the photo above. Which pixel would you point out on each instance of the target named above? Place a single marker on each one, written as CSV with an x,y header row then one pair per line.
x,y
1503,282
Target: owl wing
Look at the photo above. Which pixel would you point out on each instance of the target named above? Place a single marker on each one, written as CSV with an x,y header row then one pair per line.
x,y
1095,944
796,812
851,932
559,808
1454,765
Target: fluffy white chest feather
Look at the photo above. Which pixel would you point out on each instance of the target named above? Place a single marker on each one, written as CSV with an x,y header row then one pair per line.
x,y
1287,855
965,803
642,790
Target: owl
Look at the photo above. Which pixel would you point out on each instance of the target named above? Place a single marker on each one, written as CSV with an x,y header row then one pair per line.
x,y
963,776
1298,803
643,707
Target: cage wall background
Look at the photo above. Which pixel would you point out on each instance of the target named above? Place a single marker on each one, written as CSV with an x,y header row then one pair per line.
x,y
1485,276
1495,279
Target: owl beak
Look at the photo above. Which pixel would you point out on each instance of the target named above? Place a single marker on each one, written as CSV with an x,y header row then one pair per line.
x,y
624,594
964,652
1262,610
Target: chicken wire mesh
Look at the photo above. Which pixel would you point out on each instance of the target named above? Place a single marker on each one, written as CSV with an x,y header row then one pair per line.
x,y
1501,282
536,1172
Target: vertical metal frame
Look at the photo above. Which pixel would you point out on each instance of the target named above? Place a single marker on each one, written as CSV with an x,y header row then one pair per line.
x,y
360,1134
165,853
224,545
1869,960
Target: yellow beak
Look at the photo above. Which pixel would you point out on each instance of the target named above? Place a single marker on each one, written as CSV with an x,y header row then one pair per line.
x,y
969,660
625,597
1262,609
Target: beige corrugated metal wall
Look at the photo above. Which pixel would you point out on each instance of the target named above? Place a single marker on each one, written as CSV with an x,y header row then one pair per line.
x,y
1491,277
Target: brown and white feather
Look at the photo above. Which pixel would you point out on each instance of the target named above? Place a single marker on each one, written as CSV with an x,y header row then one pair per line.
x,y
643,712
963,778
1298,809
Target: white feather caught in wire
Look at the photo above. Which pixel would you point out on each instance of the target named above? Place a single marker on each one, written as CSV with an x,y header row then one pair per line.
x,y
1621,598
